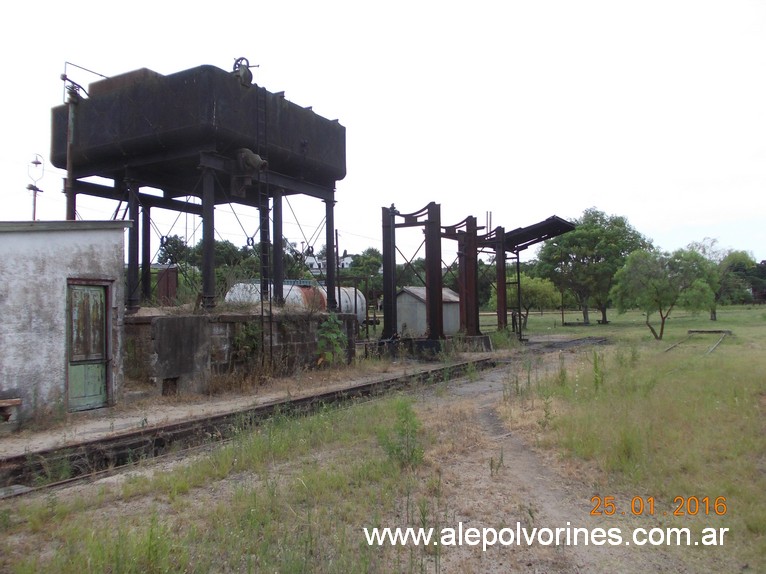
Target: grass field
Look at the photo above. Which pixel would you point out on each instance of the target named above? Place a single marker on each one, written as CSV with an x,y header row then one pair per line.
x,y
293,495
669,418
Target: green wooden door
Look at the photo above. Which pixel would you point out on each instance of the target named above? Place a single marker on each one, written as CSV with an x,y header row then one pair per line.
x,y
87,361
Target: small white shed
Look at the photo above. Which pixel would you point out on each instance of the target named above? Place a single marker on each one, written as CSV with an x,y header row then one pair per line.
x,y
411,312
62,306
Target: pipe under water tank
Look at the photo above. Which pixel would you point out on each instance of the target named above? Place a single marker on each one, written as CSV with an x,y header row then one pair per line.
x,y
302,298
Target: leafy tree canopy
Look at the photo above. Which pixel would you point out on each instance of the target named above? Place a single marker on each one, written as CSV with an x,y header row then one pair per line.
x,y
657,282
585,260
729,276
536,293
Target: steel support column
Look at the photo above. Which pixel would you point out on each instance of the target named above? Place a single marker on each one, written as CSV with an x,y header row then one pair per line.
x,y
208,238
133,288
434,282
332,304
389,272
468,262
279,248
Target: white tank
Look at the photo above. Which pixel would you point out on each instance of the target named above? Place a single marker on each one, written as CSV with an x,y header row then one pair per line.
x,y
302,297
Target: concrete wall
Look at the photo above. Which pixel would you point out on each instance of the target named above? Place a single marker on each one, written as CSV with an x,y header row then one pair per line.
x,y
182,353
37,259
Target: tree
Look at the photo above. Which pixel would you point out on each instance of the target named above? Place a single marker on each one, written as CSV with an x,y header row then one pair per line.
x,y
728,273
411,274
368,264
658,282
225,253
536,293
585,260
756,277
173,250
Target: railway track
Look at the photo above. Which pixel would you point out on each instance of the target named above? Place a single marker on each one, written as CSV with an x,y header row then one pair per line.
x,y
45,469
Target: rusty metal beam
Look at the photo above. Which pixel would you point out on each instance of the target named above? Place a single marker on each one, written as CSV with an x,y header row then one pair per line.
x,y
389,272
117,194
434,284
470,275
465,233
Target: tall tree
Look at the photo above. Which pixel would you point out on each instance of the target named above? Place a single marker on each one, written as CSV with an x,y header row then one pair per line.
x,y
174,250
756,278
728,273
657,282
368,264
585,260
536,293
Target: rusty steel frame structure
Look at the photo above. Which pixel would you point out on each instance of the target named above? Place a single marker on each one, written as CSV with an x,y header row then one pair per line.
x,y
469,245
429,218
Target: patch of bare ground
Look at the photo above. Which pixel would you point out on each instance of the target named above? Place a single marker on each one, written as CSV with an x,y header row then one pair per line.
x,y
493,474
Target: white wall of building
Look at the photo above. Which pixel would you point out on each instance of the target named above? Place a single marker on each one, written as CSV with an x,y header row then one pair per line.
x,y
411,312
37,260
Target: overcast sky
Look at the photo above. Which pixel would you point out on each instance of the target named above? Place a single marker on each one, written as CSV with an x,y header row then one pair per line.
x,y
654,110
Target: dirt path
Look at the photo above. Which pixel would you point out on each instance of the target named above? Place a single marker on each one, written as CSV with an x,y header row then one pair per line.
x,y
497,478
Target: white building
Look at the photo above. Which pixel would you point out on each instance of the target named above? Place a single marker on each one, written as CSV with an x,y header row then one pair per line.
x,y
62,305
411,312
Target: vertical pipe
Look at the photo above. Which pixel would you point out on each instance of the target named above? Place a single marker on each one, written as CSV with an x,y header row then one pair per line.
x,y
146,254
71,201
133,231
208,239
332,304
389,273
279,272
337,271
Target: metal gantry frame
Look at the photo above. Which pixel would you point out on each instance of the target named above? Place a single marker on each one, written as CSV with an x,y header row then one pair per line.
x,y
469,244
466,235
429,218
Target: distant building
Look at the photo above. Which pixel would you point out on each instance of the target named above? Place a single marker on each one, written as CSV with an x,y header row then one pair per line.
x,y
411,312
345,260
317,266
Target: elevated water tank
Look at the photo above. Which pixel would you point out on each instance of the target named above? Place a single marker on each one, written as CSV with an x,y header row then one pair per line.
x,y
155,124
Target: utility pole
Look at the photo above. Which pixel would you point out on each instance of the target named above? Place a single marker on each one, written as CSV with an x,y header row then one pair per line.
x,y
36,170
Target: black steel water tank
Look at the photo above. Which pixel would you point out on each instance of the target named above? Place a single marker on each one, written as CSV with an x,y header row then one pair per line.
x,y
143,114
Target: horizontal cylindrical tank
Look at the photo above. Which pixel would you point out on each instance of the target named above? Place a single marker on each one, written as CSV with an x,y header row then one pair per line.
x,y
303,298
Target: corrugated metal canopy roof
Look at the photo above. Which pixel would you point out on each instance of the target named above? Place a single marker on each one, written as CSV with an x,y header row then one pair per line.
x,y
521,238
